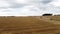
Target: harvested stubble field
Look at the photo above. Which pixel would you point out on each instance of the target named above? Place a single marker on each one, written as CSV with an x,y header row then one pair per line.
x,y
30,25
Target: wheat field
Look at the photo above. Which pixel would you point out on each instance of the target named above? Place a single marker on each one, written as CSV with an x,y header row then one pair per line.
x,y
30,25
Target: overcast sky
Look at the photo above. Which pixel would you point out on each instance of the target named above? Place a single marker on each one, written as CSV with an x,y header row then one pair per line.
x,y
28,7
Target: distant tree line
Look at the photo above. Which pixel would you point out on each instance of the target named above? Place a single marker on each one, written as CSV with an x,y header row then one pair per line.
x,y
47,14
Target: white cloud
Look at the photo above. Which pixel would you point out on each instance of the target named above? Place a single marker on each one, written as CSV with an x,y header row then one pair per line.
x,y
4,3
28,7
56,3
21,1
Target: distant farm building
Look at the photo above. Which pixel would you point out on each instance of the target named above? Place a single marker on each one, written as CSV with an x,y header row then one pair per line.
x,y
47,15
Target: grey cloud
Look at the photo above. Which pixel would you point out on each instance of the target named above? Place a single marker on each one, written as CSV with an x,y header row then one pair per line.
x,y
15,5
46,1
41,1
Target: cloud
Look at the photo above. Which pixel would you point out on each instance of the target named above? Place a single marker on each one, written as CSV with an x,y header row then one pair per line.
x,y
56,3
4,3
28,7
46,1
21,1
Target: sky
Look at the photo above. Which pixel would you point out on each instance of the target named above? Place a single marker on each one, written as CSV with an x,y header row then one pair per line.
x,y
29,7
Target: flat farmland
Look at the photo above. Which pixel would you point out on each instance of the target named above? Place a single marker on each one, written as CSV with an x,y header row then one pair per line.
x,y
30,25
